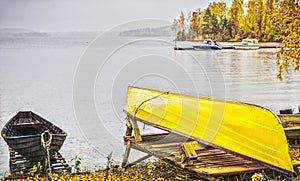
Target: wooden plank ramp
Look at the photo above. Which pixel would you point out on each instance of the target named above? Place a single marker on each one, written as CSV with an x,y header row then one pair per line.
x,y
191,155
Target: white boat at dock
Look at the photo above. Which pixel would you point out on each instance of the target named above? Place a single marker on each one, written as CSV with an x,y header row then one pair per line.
x,y
207,44
247,44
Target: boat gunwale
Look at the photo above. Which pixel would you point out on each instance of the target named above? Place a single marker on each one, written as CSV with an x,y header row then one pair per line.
x,y
8,126
32,136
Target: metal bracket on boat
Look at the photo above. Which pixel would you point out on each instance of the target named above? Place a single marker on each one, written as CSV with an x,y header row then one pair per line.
x,y
134,122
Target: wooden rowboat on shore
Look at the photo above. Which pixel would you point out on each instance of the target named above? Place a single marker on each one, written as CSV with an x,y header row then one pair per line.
x,y
23,134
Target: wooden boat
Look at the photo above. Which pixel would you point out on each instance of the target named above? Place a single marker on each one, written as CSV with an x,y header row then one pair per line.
x,y
291,124
290,120
246,130
23,133
292,132
247,44
207,44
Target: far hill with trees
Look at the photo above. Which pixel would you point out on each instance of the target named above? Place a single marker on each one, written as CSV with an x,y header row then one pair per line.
x,y
148,32
265,20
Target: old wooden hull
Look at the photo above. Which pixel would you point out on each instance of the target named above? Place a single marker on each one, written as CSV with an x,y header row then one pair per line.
x,y
31,148
23,132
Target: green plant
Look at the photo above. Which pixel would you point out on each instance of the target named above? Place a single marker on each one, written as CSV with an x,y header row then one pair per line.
x,y
227,38
76,165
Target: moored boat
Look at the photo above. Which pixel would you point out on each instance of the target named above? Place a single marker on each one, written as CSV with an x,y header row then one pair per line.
x,y
207,44
23,134
247,44
291,124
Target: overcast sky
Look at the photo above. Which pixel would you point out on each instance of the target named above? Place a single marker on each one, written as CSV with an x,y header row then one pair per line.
x,y
89,15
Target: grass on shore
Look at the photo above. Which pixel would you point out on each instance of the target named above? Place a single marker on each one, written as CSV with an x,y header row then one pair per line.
x,y
157,170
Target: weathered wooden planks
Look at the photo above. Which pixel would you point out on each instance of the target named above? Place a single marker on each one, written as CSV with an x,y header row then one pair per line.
x,y
19,165
202,159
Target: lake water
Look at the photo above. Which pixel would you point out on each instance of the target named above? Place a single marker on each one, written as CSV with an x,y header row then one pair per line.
x,y
80,85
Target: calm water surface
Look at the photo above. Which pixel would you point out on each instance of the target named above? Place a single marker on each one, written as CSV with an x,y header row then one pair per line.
x,y
81,85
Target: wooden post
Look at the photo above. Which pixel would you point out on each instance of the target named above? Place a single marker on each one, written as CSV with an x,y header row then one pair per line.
x,y
126,154
136,130
128,127
140,160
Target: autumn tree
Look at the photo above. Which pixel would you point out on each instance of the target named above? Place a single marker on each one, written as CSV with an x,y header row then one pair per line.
x,y
182,27
174,27
218,15
269,29
254,20
287,22
236,14
195,25
219,10
206,22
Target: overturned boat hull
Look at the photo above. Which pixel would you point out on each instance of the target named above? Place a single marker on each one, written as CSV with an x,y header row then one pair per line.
x,y
239,128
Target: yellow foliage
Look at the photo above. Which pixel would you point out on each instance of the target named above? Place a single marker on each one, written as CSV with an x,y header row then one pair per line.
x,y
157,170
287,22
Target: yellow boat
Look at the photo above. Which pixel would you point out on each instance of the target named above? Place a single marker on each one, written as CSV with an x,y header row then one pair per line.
x,y
243,129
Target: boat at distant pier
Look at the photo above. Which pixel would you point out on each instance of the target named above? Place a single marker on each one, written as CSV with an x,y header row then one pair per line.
x,y
207,44
247,44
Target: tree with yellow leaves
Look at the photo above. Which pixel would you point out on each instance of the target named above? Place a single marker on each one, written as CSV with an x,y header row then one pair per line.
x,y
254,20
287,23
174,27
269,29
195,26
206,24
218,20
236,14
182,29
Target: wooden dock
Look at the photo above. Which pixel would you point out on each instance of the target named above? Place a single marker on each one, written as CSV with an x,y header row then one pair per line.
x,y
202,159
229,45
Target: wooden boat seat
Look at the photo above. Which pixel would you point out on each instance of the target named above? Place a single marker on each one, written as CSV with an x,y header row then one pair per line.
x,y
190,151
26,126
26,123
